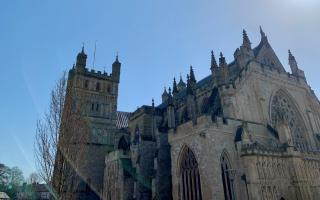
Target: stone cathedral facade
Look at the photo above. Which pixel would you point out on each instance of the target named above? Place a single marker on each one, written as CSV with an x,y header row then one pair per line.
x,y
249,130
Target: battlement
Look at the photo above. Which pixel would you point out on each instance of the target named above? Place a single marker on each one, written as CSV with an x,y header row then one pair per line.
x,y
98,74
81,68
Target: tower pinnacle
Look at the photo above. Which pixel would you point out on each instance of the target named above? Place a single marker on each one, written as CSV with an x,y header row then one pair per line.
x,y
174,87
222,60
189,86
246,41
81,59
263,35
116,67
192,76
213,61
293,63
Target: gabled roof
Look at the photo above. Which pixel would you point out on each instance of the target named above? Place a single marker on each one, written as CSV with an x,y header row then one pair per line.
x,y
264,53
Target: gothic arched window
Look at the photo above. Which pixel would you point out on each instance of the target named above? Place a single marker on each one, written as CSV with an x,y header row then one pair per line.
x,y
284,110
227,174
189,177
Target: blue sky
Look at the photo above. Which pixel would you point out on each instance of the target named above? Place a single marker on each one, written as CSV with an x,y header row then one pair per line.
x,y
156,40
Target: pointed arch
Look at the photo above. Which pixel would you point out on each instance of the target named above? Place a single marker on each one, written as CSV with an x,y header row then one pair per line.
x,y
284,109
189,176
227,175
123,144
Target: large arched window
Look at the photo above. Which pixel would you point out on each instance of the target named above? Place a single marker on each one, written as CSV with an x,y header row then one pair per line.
x,y
189,177
284,110
227,174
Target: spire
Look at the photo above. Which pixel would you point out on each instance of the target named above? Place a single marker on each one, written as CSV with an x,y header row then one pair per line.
x,y
246,41
213,61
293,63
263,35
222,60
174,86
192,77
189,87
291,57
82,51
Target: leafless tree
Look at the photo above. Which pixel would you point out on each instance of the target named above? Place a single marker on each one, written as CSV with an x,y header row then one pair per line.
x,y
47,131
61,138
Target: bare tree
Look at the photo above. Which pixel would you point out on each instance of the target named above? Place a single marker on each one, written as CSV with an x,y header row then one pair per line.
x,y
61,139
47,131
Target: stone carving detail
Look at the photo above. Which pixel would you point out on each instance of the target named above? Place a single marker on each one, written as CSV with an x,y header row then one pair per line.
x,y
283,110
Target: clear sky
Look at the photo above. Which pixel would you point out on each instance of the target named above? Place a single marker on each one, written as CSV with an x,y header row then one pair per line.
x,y
156,40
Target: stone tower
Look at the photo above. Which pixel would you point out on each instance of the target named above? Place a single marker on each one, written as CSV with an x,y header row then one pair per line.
x,y
95,94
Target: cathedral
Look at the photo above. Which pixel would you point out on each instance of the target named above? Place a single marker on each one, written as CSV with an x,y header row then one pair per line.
x,y
249,130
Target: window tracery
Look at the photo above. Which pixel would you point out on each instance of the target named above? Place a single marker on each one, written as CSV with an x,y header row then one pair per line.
x,y
189,177
227,174
283,110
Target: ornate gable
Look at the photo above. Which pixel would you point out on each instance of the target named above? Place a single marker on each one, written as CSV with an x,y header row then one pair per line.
x,y
266,55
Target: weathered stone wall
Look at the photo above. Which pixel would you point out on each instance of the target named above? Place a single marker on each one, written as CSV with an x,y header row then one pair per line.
x,y
118,176
207,140
251,99
270,173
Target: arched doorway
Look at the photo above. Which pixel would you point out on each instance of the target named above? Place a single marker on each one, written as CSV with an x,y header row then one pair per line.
x,y
189,177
